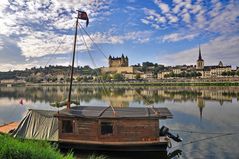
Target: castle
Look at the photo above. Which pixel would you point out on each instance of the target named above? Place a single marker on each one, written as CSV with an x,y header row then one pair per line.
x,y
118,61
118,65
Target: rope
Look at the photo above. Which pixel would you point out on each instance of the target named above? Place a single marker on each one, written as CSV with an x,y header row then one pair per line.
x,y
51,56
200,132
93,41
141,96
207,138
93,62
60,43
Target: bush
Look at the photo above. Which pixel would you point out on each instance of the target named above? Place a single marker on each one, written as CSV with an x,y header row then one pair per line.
x,y
28,149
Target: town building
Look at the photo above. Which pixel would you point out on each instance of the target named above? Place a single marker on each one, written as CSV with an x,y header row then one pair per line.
x,y
201,70
200,61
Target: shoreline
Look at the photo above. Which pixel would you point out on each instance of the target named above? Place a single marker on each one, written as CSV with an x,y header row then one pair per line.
x,y
129,84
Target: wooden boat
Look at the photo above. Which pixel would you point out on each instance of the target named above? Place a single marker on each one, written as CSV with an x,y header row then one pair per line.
x,y
98,128
118,129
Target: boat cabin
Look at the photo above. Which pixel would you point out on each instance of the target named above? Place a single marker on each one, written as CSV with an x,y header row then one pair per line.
x,y
90,124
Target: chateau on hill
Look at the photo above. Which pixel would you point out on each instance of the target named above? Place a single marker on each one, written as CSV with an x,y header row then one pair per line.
x,y
118,61
118,65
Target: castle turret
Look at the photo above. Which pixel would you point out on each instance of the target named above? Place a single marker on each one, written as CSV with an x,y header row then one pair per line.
x,y
220,64
200,61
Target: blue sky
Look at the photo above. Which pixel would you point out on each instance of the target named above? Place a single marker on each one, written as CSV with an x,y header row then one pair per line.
x,y
161,31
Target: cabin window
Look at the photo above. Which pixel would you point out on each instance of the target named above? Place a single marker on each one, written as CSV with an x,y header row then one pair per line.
x,y
106,128
67,126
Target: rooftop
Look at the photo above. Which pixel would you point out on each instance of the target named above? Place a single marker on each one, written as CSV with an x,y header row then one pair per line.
x,y
107,112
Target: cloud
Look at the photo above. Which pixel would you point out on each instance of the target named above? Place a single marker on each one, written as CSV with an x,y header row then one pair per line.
x,y
42,43
109,38
164,7
9,51
194,16
144,21
34,29
153,18
186,17
1,44
177,37
222,48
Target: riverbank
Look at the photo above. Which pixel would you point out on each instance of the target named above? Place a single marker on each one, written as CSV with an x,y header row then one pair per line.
x,y
141,84
133,83
18,149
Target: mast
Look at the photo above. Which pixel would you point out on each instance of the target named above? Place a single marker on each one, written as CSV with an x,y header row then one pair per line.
x,y
73,61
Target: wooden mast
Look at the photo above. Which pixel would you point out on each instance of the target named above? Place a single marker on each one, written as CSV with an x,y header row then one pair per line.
x,y
73,61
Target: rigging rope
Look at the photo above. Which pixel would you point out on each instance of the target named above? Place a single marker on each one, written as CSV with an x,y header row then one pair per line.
x,y
207,138
60,43
93,61
141,96
93,41
200,132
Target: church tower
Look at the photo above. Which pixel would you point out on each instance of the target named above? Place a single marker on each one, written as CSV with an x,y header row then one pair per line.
x,y
200,61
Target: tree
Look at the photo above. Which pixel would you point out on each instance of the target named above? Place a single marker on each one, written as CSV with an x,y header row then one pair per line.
x,y
78,79
137,77
224,73
68,80
233,73
229,73
199,74
118,77
106,77
54,79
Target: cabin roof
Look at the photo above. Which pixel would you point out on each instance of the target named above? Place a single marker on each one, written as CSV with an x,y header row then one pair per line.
x,y
107,112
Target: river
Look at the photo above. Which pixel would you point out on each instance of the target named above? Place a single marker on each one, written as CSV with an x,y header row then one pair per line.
x,y
203,116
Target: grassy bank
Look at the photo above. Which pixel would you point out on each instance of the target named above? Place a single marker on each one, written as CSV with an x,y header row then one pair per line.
x,y
27,149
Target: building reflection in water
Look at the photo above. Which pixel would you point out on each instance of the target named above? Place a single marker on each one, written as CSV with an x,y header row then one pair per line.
x,y
123,96
201,105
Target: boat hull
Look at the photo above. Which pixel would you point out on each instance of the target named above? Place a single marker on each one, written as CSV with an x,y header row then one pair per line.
x,y
147,146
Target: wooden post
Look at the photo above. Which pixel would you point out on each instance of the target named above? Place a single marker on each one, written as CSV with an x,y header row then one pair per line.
x,y
73,61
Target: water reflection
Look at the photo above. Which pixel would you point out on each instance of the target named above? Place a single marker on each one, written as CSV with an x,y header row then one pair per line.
x,y
120,96
131,155
206,109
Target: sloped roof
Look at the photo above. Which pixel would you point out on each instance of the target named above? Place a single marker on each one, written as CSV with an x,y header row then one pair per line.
x,y
120,112
38,125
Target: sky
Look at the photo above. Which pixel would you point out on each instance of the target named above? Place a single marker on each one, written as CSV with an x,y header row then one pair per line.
x,y
36,33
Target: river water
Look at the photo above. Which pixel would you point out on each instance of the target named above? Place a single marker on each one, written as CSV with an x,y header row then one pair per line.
x,y
203,116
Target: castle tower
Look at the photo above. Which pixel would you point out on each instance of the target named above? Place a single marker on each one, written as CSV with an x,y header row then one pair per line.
x,y
220,64
200,61
110,60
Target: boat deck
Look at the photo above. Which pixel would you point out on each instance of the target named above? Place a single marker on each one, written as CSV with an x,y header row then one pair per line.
x,y
9,126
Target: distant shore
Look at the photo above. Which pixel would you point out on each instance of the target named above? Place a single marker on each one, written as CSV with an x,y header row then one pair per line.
x,y
128,84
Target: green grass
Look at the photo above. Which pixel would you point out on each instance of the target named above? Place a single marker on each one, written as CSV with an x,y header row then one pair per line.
x,y
11,148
